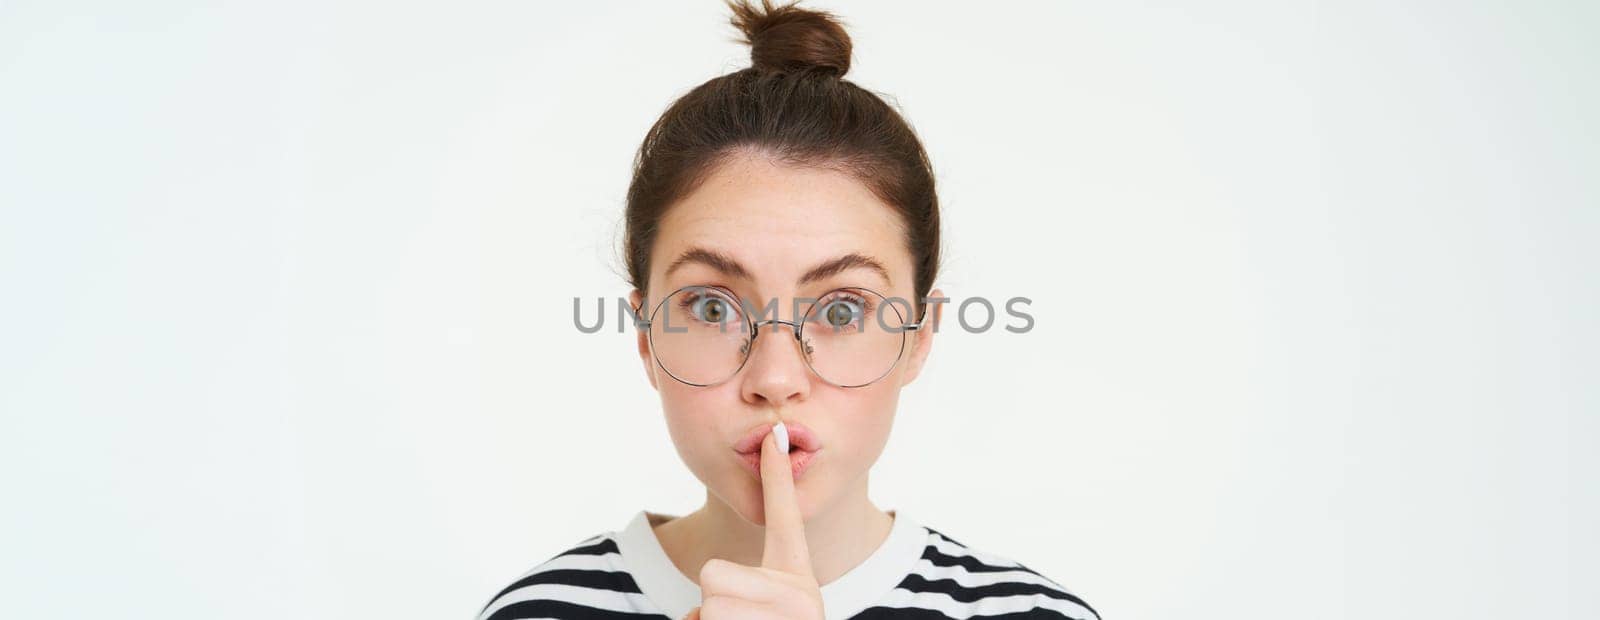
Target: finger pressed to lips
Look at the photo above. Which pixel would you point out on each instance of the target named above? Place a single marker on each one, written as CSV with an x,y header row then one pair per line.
x,y
804,448
799,462
784,583
785,548
800,437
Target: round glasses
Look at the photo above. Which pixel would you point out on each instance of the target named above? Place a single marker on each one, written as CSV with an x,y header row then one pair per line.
x,y
850,337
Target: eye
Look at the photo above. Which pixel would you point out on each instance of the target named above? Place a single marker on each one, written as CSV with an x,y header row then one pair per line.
x,y
710,309
841,312
706,305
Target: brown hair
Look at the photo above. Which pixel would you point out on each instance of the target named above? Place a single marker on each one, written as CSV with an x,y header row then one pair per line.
x,y
794,106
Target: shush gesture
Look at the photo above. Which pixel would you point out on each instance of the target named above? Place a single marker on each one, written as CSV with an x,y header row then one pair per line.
x,y
783,587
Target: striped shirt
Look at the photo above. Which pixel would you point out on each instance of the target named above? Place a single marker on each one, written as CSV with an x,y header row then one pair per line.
x,y
916,573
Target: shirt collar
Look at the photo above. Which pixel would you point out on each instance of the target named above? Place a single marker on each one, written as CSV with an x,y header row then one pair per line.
x,y
859,588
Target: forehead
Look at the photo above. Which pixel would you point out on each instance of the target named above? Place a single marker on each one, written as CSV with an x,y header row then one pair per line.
x,y
778,220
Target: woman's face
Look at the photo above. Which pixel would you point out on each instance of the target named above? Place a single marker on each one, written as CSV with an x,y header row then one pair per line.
x,y
777,223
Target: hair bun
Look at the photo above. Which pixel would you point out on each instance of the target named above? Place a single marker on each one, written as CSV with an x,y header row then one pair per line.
x,y
788,39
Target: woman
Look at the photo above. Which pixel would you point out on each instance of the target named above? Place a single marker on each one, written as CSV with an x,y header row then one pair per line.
x,y
782,239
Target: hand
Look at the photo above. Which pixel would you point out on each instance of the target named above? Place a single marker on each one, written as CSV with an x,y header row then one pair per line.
x,y
783,587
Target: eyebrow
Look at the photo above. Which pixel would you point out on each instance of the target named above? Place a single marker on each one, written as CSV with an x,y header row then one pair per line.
x,y
823,270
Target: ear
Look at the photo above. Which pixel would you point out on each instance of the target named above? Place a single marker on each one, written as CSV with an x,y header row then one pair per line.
x,y
642,335
922,339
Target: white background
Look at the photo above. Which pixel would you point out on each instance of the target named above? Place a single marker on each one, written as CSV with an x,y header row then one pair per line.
x,y
286,295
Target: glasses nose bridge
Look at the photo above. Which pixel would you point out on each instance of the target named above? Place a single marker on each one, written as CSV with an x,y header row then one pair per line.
x,y
794,327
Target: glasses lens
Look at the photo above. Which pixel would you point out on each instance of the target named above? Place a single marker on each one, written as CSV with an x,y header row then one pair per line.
x,y
699,335
853,337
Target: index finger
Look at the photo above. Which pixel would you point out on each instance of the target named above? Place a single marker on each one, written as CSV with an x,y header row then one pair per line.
x,y
785,548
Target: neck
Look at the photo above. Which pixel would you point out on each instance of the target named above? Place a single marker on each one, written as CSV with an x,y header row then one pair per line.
x,y
839,537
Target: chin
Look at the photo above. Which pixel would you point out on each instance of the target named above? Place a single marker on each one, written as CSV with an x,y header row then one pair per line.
x,y
743,495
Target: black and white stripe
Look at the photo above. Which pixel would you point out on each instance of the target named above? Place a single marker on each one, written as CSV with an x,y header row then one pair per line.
x,y
950,582
954,581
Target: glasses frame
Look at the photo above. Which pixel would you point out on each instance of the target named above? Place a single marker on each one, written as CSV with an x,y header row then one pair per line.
x,y
755,331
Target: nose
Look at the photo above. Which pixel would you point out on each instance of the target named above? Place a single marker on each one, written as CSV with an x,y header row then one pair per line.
x,y
776,371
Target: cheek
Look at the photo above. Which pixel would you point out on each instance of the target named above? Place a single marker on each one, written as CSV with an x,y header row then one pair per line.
x,y
694,419
872,416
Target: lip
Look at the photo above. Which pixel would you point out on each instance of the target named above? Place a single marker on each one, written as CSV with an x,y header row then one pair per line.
x,y
800,438
803,448
799,462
